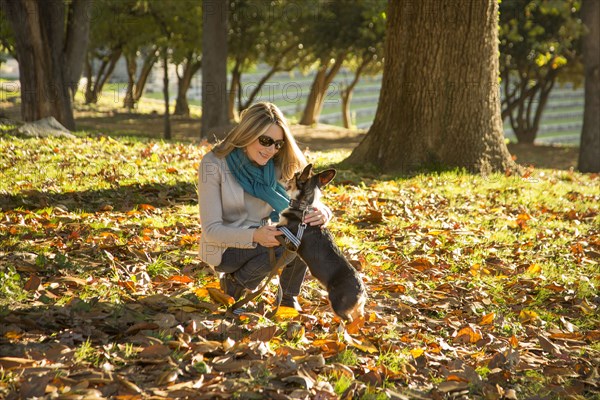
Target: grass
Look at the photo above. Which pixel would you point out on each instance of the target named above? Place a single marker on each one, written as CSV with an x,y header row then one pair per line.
x,y
438,251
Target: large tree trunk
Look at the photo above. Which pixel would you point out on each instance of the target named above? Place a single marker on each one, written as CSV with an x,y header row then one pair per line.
x,y
439,103
214,65
39,28
318,90
78,27
589,150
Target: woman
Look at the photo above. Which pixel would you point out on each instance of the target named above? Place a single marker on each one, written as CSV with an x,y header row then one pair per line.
x,y
239,190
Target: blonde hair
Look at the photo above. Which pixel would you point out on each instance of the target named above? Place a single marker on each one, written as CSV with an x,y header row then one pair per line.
x,y
254,122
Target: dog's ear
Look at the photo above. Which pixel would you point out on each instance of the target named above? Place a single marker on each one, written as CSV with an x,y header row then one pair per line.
x,y
305,174
325,177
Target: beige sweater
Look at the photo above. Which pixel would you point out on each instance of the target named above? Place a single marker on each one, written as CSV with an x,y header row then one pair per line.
x,y
226,211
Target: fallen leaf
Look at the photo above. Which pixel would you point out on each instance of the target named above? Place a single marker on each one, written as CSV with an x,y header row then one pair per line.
x,y
548,346
218,296
286,312
33,283
418,352
354,327
534,269
15,362
181,279
35,385
146,207
155,351
264,334
528,316
452,386
468,334
141,326
487,319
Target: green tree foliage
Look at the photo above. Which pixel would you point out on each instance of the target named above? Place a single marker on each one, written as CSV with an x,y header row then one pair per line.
x,y
539,42
366,57
7,40
263,32
186,49
340,29
122,28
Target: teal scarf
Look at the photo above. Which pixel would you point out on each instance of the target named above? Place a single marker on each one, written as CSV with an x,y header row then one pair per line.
x,y
259,181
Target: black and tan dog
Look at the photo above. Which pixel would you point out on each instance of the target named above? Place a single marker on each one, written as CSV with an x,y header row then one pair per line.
x,y
325,260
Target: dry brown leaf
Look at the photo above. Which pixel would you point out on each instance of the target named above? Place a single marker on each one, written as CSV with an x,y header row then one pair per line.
x,y
232,366
15,362
128,384
141,326
155,351
264,334
35,385
452,386
33,283
421,264
206,347
528,316
218,296
468,334
548,346
487,319
354,327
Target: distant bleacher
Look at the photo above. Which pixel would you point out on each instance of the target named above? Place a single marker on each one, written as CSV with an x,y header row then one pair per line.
x,y
561,121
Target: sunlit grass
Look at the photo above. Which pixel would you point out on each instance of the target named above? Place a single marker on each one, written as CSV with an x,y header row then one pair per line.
x,y
433,248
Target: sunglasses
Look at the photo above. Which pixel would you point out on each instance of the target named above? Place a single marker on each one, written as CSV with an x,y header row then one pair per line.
x,y
267,141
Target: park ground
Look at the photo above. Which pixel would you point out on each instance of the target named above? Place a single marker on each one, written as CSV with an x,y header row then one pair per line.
x,y
479,287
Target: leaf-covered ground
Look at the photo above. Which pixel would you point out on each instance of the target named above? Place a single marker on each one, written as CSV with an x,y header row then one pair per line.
x,y
480,287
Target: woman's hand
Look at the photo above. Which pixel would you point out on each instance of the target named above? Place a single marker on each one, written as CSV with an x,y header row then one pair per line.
x,y
266,236
317,216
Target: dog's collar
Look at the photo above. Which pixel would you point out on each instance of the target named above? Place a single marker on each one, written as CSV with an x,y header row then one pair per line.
x,y
299,205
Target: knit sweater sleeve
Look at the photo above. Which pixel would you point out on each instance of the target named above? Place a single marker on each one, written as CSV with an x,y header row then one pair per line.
x,y
214,229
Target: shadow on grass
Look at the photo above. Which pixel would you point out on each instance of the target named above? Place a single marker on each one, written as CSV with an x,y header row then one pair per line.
x,y
121,198
92,338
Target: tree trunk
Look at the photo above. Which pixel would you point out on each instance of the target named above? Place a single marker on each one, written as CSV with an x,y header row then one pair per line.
x,y
589,149
167,133
94,88
39,29
234,88
88,71
78,27
214,65
183,85
347,94
439,104
528,103
316,97
130,60
140,84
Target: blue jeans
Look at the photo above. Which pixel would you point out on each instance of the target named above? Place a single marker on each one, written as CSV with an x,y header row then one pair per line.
x,y
250,266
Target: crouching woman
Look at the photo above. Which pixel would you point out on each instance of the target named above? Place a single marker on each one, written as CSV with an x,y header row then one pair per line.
x,y
241,191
